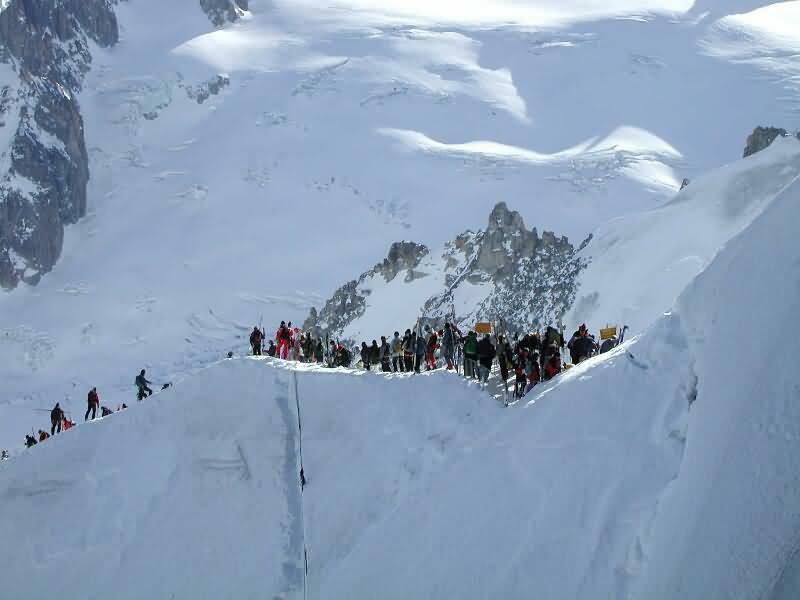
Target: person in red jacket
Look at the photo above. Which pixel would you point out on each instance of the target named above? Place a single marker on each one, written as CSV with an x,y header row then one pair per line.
x,y
43,435
282,336
92,401
430,355
553,366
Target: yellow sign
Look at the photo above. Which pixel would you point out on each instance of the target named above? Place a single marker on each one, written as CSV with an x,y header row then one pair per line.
x,y
608,332
483,328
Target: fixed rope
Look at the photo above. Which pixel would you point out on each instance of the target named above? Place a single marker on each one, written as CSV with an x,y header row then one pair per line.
x,y
302,484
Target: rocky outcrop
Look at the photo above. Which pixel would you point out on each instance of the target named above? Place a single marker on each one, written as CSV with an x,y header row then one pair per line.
x,y
530,281
761,138
44,167
502,273
223,11
349,302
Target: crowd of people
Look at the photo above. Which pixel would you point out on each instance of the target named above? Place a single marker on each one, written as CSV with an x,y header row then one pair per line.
x,y
530,357
526,359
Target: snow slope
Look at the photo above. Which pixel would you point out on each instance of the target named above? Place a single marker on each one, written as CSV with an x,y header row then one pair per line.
x,y
639,264
655,471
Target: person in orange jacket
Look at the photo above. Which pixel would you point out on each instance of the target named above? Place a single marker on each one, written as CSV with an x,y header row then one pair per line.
x,y
43,435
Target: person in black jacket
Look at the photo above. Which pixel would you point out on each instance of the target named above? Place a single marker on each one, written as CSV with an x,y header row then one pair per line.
x,y
365,358
56,418
256,337
486,354
142,385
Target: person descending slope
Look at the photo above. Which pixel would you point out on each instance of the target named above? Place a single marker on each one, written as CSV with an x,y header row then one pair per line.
x,y
92,401
43,435
30,441
142,386
256,338
56,417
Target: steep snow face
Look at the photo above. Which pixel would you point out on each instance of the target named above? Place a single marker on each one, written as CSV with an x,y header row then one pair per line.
x,y
728,526
639,264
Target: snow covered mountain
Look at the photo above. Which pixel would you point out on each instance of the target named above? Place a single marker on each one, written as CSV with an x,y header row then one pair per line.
x,y
657,471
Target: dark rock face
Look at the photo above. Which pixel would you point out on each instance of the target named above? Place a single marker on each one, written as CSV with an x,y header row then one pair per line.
x,y
510,273
761,138
222,11
45,168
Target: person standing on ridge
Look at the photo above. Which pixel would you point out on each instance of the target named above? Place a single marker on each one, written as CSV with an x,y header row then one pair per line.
x,y
256,338
384,355
56,417
409,342
449,347
282,337
92,401
420,352
142,386
471,355
397,353
365,361
486,354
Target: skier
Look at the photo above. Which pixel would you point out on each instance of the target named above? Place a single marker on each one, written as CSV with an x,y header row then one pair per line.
x,y
142,386
282,337
56,417
449,347
471,355
68,424
384,355
397,353
43,435
486,354
104,411
272,349
30,441
93,401
365,359
256,337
